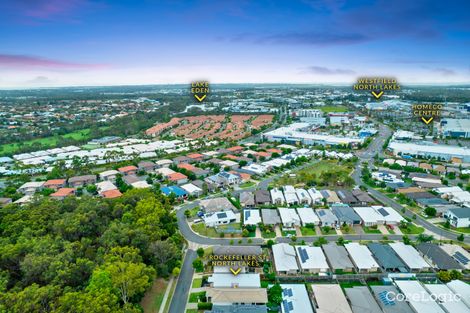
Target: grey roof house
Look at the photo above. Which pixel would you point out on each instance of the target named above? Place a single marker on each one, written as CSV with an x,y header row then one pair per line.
x,y
386,257
337,257
262,197
247,199
437,257
345,214
270,217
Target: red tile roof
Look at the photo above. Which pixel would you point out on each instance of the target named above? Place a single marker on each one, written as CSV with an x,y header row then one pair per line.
x,y
63,192
195,156
236,148
187,166
128,168
177,176
111,194
54,182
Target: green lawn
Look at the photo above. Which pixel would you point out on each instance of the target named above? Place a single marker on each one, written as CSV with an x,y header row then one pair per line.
x,y
248,184
326,172
201,229
288,232
370,230
412,229
44,143
271,234
331,231
348,230
465,230
307,231
194,296
191,311
197,282
333,108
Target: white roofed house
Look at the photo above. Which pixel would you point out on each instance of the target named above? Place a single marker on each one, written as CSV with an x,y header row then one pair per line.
x,y
277,197
315,195
289,218
285,260
369,216
109,175
303,196
308,216
192,190
221,218
412,259
105,186
30,188
311,259
290,195
362,257
251,217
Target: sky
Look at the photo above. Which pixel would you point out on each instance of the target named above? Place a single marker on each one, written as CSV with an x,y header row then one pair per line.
x,y
49,43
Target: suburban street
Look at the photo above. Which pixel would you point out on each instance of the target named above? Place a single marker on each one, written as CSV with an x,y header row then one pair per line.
x,y
178,301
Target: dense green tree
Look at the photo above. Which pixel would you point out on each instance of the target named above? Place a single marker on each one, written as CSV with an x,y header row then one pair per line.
x,y
127,271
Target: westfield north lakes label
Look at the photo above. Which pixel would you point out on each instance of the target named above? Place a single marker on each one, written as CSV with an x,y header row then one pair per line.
x,y
377,86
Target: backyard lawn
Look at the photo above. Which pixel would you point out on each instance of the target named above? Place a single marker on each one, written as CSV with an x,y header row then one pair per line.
x,y
197,282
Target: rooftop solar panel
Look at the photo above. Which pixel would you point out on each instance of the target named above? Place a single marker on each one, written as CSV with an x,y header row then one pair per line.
x,y
461,258
222,215
383,212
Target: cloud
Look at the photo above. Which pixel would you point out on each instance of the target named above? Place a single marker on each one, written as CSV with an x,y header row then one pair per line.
x,y
444,71
327,71
25,62
315,38
40,80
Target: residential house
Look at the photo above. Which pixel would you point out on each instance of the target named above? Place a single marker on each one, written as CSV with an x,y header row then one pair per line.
x,y
347,197
270,217
345,214
247,199
311,259
308,216
316,195
435,256
289,218
181,159
217,204
55,183
128,170
195,157
251,217
277,197
295,299
262,197
220,218
31,188
458,217
338,258
178,178
111,194
163,163
303,196
80,181
285,261
62,193
109,175
179,192
361,257
327,218
146,166
290,195
192,189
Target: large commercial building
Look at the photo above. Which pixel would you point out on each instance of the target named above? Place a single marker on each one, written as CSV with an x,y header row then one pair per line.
x,y
429,149
298,133
455,128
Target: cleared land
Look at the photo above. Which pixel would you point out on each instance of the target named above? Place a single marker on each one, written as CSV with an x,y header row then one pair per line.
x,y
153,298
